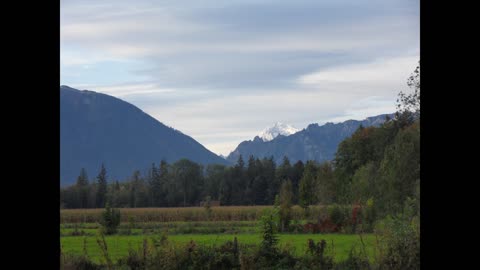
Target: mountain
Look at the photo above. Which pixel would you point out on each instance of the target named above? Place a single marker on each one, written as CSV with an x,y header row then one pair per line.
x,y
312,143
278,128
96,128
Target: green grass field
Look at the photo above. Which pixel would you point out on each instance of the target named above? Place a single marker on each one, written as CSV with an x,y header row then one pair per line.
x,y
185,224
118,245
178,227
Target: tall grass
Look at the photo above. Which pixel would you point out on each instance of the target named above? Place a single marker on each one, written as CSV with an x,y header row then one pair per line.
x,y
218,213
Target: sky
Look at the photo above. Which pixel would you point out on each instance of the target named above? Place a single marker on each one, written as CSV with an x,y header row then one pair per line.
x,y
222,71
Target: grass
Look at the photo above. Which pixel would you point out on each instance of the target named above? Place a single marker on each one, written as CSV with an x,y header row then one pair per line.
x,y
179,227
224,213
118,245
185,214
184,224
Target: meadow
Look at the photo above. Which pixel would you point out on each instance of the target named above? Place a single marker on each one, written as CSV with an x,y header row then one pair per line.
x,y
119,245
79,230
172,214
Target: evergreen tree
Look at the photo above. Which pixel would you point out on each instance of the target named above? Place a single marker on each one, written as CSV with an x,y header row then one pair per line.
x,y
238,182
240,163
163,175
307,186
110,220
251,168
83,189
82,179
285,201
268,172
297,173
156,189
252,172
133,188
101,187
285,170
260,186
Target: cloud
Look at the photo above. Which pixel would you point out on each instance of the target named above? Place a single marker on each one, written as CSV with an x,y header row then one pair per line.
x,y
221,71
220,123
378,71
130,89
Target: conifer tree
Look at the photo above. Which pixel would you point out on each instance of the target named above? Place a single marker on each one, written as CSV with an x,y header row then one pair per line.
x,y
101,187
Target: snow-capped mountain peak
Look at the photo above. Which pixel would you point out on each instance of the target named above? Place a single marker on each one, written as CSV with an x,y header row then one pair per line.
x,y
278,128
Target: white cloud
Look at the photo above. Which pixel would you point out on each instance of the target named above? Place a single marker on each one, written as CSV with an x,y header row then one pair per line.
x,y
132,89
378,71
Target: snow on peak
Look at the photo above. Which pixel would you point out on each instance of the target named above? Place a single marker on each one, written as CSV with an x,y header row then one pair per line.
x,y
278,128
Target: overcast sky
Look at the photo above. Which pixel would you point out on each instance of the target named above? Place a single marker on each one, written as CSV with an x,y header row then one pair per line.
x,y
221,71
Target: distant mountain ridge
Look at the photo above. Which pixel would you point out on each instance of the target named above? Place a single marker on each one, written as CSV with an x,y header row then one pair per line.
x,y
96,128
312,143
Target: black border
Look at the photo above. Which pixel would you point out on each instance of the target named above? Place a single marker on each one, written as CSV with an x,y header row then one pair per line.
x,y
31,105
443,225
31,113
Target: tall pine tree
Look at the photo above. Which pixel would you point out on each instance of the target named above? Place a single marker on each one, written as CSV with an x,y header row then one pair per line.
x,y
101,187
307,185
82,187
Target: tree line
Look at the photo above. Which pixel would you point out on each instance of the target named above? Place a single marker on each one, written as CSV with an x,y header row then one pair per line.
x,y
378,165
186,183
375,163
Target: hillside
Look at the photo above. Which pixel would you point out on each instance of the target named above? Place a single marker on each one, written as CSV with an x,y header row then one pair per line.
x,y
96,128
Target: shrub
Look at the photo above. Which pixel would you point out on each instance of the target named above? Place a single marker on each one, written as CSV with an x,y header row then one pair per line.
x,y
247,259
336,215
208,207
268,252
369,215
269,226
110,220
78,262
284,201
316,257
355,261
134,260
400,238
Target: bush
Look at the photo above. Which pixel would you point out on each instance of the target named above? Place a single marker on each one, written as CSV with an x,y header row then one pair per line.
x,y
134,260
355,261
208,207
269,226
401,243
369,215
316,257
247,259
336,215
110,220
79,262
